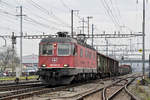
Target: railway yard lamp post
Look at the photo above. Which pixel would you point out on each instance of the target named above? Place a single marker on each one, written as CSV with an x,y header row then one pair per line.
x,y
106,46
88,18
21,34
19,71
149,65
92,34
72,21
143,31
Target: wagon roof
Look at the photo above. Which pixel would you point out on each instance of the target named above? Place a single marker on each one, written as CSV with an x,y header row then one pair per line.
x,y
124,65
106,56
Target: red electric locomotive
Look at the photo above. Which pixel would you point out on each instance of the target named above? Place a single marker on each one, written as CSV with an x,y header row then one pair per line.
x,y
63,59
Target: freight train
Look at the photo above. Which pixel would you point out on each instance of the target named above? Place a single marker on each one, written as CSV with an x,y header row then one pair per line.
x,y
63,59
125,69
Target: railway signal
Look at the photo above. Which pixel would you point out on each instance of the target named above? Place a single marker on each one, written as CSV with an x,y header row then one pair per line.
x,y
140,50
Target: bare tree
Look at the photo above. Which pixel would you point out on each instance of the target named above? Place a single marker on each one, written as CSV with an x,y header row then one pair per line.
x,y
8,59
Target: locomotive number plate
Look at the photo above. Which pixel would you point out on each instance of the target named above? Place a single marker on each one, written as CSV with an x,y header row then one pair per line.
x,y
55,65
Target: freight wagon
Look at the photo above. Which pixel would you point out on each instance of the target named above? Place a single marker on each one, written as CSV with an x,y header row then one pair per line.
x,y
125,69
107,66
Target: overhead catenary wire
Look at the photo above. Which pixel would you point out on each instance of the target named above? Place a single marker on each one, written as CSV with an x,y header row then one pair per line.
x,y
67,7
7,4
7,13
46,22
7,28
10,18
14,15
109,12
39,23
49,13
34,21
46,19
117,14
76,14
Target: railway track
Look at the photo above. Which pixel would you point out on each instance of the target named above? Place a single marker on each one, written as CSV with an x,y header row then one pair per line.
x,y
20,86
9,89
78,93
8,95
21,82
106,92
29,92
110,92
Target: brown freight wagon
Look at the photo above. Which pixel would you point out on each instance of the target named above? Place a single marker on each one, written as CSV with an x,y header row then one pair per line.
x,y
107,66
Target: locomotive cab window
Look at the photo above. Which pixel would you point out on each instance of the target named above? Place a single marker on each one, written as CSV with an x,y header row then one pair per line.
x,y
64,49
47,49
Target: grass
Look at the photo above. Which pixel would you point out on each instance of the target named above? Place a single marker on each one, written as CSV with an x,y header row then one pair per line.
x,y
147,79
21,78
141,93
139,90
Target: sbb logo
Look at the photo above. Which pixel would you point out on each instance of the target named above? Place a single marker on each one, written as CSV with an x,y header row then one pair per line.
x,y
54,59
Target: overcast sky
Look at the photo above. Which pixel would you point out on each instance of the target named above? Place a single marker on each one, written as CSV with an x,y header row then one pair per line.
x,y
51,16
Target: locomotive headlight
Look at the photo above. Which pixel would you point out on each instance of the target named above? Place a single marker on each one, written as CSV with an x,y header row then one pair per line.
x,y
43,65
54,44
66,65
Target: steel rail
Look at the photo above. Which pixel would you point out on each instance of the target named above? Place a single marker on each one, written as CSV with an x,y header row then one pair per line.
x,y
88,93
13,83
26,93
17,87
8,94
133,97
119,90
104,90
